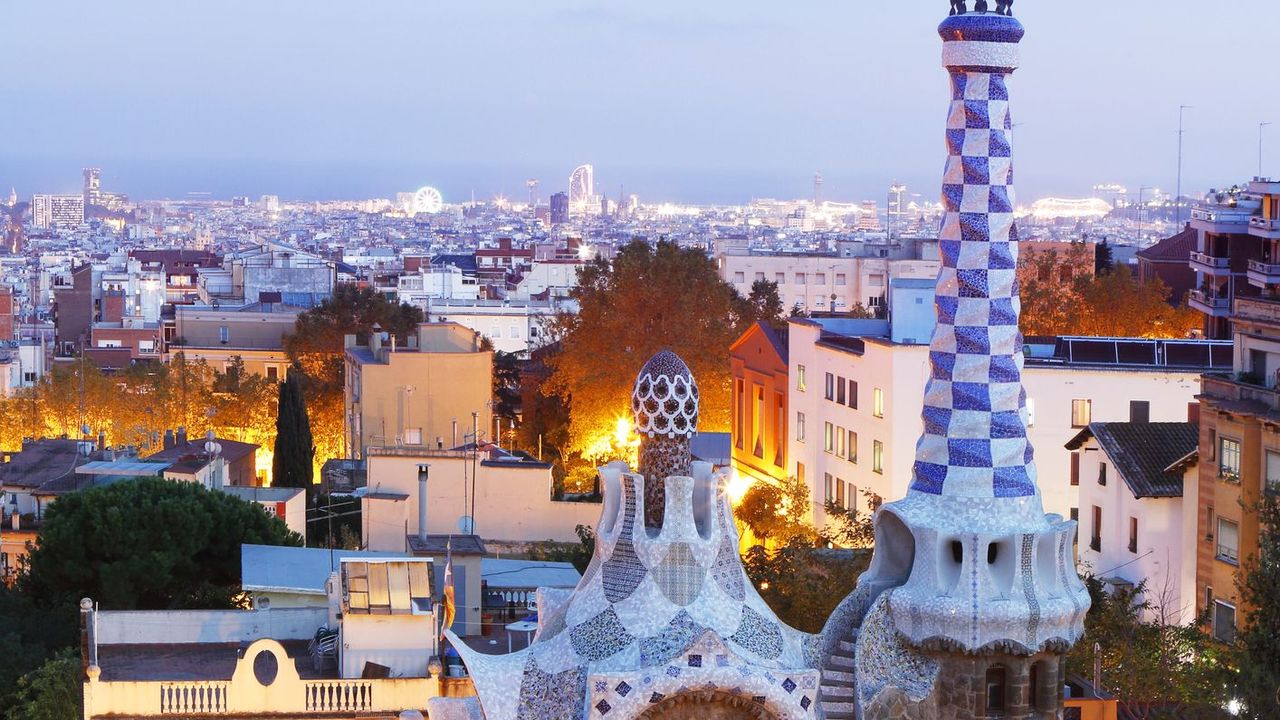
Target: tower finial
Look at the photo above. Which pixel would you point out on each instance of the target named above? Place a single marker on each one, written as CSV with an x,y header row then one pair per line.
x,y
664,406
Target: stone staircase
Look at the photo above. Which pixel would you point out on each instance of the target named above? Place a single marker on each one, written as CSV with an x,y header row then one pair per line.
x,y
838,684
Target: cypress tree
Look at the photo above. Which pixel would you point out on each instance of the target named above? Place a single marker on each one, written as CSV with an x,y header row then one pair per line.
x,y
294,451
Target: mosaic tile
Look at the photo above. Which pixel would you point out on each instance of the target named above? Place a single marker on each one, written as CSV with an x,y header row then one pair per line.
x,y
546,695
679,576
600,637
758,634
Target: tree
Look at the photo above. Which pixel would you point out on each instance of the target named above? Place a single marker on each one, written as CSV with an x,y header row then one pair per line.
x,y
294,451
147,544
763,304
1102,258
775,512
53,691
847,527
317,339
29,635
650,298
803,584
1258,681
1156,668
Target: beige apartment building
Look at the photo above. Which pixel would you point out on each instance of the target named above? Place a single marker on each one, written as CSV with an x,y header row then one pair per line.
x,y
431,392
218,334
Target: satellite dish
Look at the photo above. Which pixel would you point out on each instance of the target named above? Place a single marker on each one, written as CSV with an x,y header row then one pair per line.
x,y
466,525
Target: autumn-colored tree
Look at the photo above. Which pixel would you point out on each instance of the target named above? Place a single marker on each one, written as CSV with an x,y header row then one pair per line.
x,y
1062,296
652,297
317,339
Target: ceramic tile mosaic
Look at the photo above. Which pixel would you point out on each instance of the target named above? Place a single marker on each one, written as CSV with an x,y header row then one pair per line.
x,y
669,610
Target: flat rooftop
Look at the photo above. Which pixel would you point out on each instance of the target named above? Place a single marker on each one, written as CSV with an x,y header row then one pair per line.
x,y
192,661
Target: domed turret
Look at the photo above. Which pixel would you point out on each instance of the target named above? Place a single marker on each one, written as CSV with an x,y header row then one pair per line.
x,y
664,406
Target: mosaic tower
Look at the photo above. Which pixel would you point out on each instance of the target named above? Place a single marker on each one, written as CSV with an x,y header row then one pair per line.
x,y
972,595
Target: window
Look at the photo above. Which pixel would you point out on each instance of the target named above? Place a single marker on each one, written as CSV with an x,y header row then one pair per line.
x,y
273,373
828,437
780,278
1139,411
853,394
839,441
1213,444
1102,473
840,492
799,427
1229,459
840,390
739,412
851,497
840,279
1224,621
799,278
800,472
1273,473
413,436
877,456
828,490
852,447
739,277
996,690
800,378
877,403
1081,412
819,278
146,346
757,424
759,277
1228,541
224,334
830,392
1075,468
513,332
779,428
1133,534
1095,542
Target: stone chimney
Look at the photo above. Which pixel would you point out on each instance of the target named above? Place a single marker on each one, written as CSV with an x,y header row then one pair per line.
x,y
180,438
168,439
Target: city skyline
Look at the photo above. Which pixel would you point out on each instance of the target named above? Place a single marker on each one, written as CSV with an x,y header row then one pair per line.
x,y
711,105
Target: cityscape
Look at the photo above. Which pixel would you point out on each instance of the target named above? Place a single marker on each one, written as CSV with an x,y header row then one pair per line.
x,y
620,418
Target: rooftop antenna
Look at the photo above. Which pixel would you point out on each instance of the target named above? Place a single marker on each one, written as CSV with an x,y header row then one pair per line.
x,y
1177,197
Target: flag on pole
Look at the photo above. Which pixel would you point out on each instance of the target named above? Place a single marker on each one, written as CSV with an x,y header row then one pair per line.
x,y
449,609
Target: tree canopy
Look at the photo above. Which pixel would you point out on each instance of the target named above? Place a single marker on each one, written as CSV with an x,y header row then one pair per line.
x,y
1062,296
147,544
294,456
316,341
1259,639
650,298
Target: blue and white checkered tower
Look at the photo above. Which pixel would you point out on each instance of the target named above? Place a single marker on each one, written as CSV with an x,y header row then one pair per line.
x,y
974,560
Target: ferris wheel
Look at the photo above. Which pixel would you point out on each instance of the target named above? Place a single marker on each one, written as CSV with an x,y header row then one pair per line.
x,y
427,200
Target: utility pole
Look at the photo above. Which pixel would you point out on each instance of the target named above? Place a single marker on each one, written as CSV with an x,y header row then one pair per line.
x,y
1177,198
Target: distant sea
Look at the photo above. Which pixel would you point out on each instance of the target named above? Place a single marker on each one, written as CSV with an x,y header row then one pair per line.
x,y
293,180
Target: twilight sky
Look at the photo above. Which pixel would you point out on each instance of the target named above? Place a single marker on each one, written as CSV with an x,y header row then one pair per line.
x,y
707,101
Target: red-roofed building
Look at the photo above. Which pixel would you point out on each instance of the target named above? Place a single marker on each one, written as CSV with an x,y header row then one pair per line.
x,y
758,363
1168,261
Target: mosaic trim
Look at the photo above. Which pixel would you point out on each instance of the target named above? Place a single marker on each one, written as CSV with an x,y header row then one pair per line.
x,y
679,576
600,637
676,638
757,634
546,695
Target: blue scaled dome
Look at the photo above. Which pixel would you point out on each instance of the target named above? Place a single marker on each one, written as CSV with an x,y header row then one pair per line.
x,y
664,402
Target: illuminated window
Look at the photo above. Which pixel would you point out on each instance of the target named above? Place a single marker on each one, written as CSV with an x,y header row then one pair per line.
x,y
799,427
828,487
1229,459
877,403
839,441
828,437
800,383
877,456
852,447
1081,412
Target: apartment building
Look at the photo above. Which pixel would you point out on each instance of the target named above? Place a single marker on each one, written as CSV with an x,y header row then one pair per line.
x,y
431,391
821,282
854,399
254,333
758,364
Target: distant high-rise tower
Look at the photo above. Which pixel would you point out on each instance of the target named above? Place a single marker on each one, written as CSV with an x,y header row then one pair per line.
x,y
532,184
48,211
897,213
817,189
92,186
559,208
582,186
13,197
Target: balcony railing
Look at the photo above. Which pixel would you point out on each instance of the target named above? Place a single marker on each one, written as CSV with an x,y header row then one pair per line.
x,y
1226,388
1217,302
1221,215
1264,268
1269,224
1210,260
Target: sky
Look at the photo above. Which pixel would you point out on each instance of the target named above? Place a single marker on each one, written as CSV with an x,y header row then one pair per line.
x,y
710,101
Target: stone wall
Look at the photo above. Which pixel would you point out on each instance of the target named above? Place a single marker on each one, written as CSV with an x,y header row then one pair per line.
x,y
960,692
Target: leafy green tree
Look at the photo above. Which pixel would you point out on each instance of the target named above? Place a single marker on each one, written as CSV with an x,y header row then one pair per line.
x,y
762,304
775,513
850,527
294,451
650,298
147,544
29,635
803,584
1258,682
578,553
1103,260
52,691
1154,668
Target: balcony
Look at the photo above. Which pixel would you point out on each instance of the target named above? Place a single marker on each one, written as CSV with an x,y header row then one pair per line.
x,y
1210,304
1243,396
1205,263
1262,274
1220,218
1264,227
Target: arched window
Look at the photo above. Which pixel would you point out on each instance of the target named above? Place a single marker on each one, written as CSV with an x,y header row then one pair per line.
x,y
997,690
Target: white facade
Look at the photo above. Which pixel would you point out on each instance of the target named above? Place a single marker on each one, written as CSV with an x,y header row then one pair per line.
x,y
895,373
48,211
1139,539
514,326
436,282
557,277
809,282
